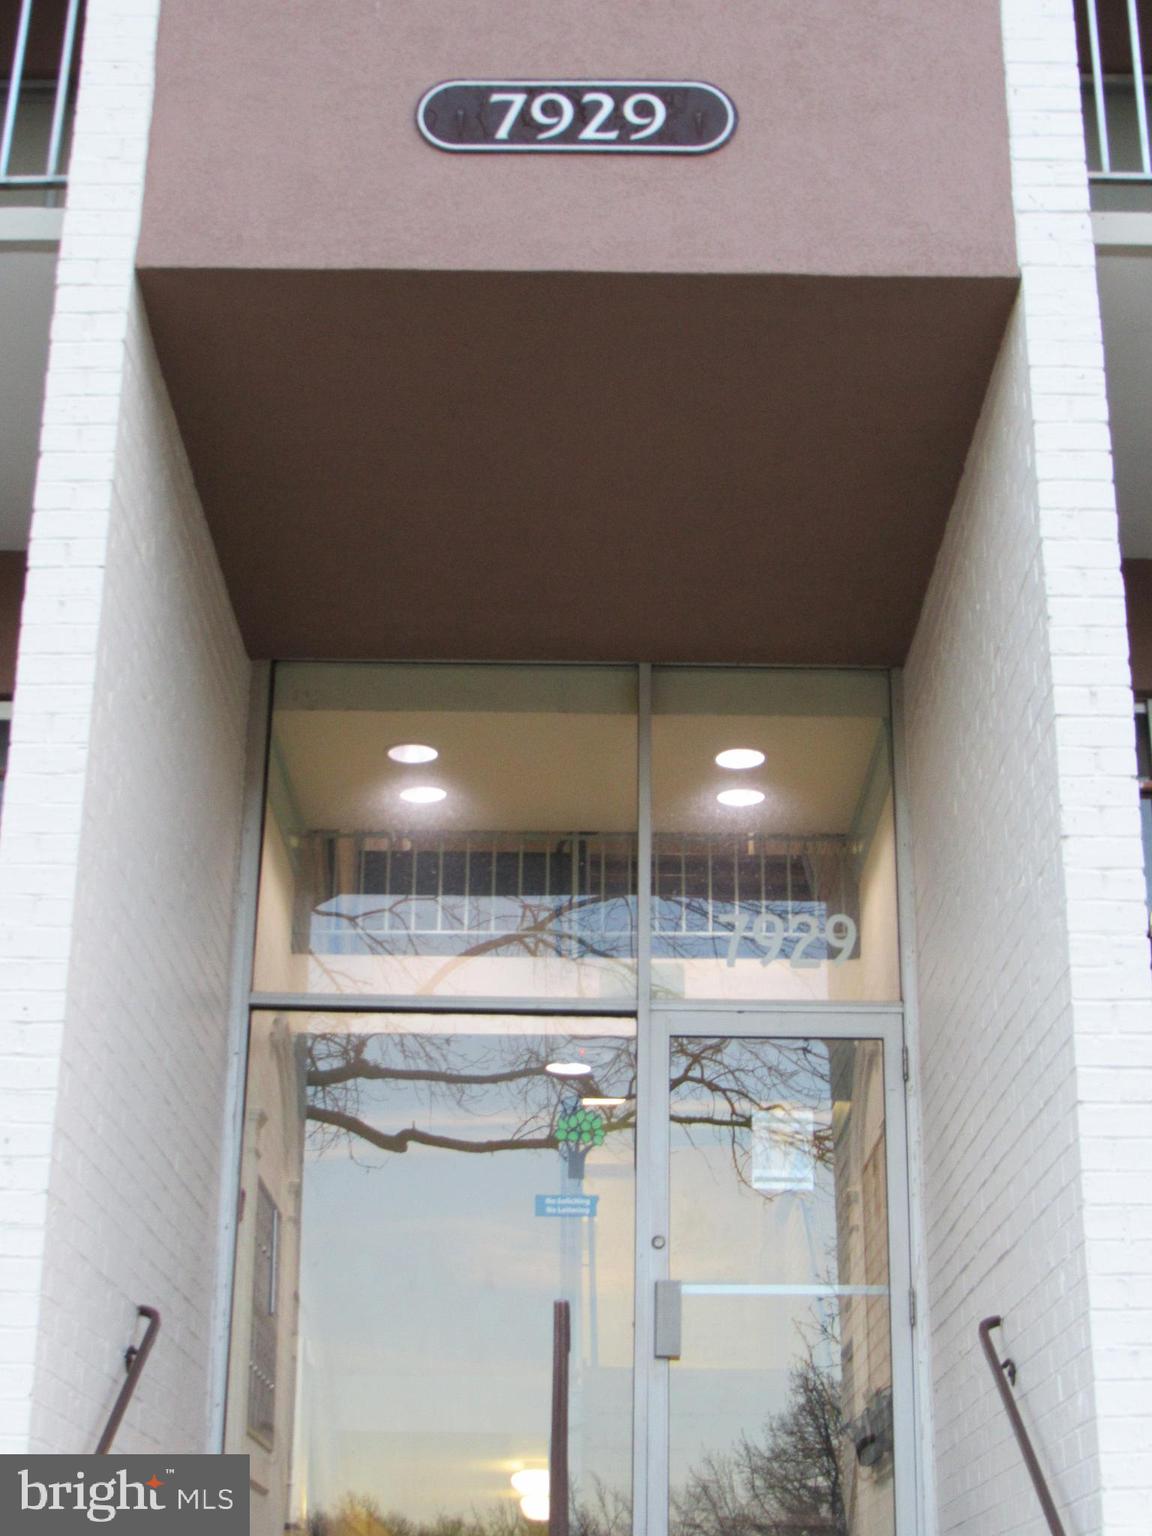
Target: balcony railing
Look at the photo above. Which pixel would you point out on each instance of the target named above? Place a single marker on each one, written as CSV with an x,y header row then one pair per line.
x,y
40,39
1113,60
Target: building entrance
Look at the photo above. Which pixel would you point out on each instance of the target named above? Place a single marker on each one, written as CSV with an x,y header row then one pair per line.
x,y
573,1156
709,1200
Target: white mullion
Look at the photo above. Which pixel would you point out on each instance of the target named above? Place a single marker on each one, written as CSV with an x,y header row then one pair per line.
x,y
648,1518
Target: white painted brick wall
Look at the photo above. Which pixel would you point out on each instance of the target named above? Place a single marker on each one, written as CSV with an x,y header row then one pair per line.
x,y
1035,1002
997,1079
119,840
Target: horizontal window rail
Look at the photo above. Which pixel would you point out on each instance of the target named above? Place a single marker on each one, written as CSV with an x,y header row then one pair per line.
x,y
1115,92
135,1359
36,96
1004,1372
574,893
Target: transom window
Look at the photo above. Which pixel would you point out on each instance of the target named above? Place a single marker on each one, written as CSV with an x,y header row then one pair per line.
x,y
579,833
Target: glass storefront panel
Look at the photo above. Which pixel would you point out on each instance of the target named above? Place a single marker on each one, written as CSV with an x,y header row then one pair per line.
x,y
781,1397
450,831
426,1201
418,1193
773,835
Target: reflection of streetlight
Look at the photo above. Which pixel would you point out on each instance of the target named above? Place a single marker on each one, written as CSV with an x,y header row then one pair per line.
x,y
532,1485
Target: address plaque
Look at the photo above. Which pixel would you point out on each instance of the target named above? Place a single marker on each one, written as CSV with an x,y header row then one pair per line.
x,y
629,117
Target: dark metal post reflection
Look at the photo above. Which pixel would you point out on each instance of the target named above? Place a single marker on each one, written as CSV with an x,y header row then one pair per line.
x,y
558,1447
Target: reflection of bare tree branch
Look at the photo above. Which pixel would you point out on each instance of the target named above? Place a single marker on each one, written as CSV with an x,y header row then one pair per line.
x,y
738,1075
604,1511
401,1140
367,1070
543,934
543,931
717,1084
789,1483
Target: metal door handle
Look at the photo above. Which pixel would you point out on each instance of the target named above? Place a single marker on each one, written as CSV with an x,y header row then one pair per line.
x,y
668,1315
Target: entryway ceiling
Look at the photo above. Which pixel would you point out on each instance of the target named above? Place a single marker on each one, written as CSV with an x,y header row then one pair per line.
x,y
576,465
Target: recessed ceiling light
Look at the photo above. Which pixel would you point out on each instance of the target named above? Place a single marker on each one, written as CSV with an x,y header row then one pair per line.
x,y
423,794
602,1103
739,757
568,1069
740,796
412,752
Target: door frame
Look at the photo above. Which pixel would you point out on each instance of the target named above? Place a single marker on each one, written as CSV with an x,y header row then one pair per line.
x,y
655,1022
650,1375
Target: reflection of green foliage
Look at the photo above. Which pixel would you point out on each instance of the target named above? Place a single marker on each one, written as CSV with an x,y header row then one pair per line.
x,y
581,1128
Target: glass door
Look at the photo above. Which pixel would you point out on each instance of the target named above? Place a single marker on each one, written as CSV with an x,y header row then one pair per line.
x,y
434,1204
777,1393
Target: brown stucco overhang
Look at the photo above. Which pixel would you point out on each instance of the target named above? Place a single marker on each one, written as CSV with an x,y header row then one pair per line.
x,y
13,568
576,465
1138,599
872,140
581,405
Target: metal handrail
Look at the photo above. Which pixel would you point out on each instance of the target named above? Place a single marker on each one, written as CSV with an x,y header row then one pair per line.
x,y
135,1359
1002,1369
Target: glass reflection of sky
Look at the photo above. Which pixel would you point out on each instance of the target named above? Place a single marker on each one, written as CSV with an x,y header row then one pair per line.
x,y
427,1279
740,1351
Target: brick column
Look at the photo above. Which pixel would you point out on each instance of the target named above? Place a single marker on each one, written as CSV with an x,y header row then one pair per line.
x,y
118,845
1035,1033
